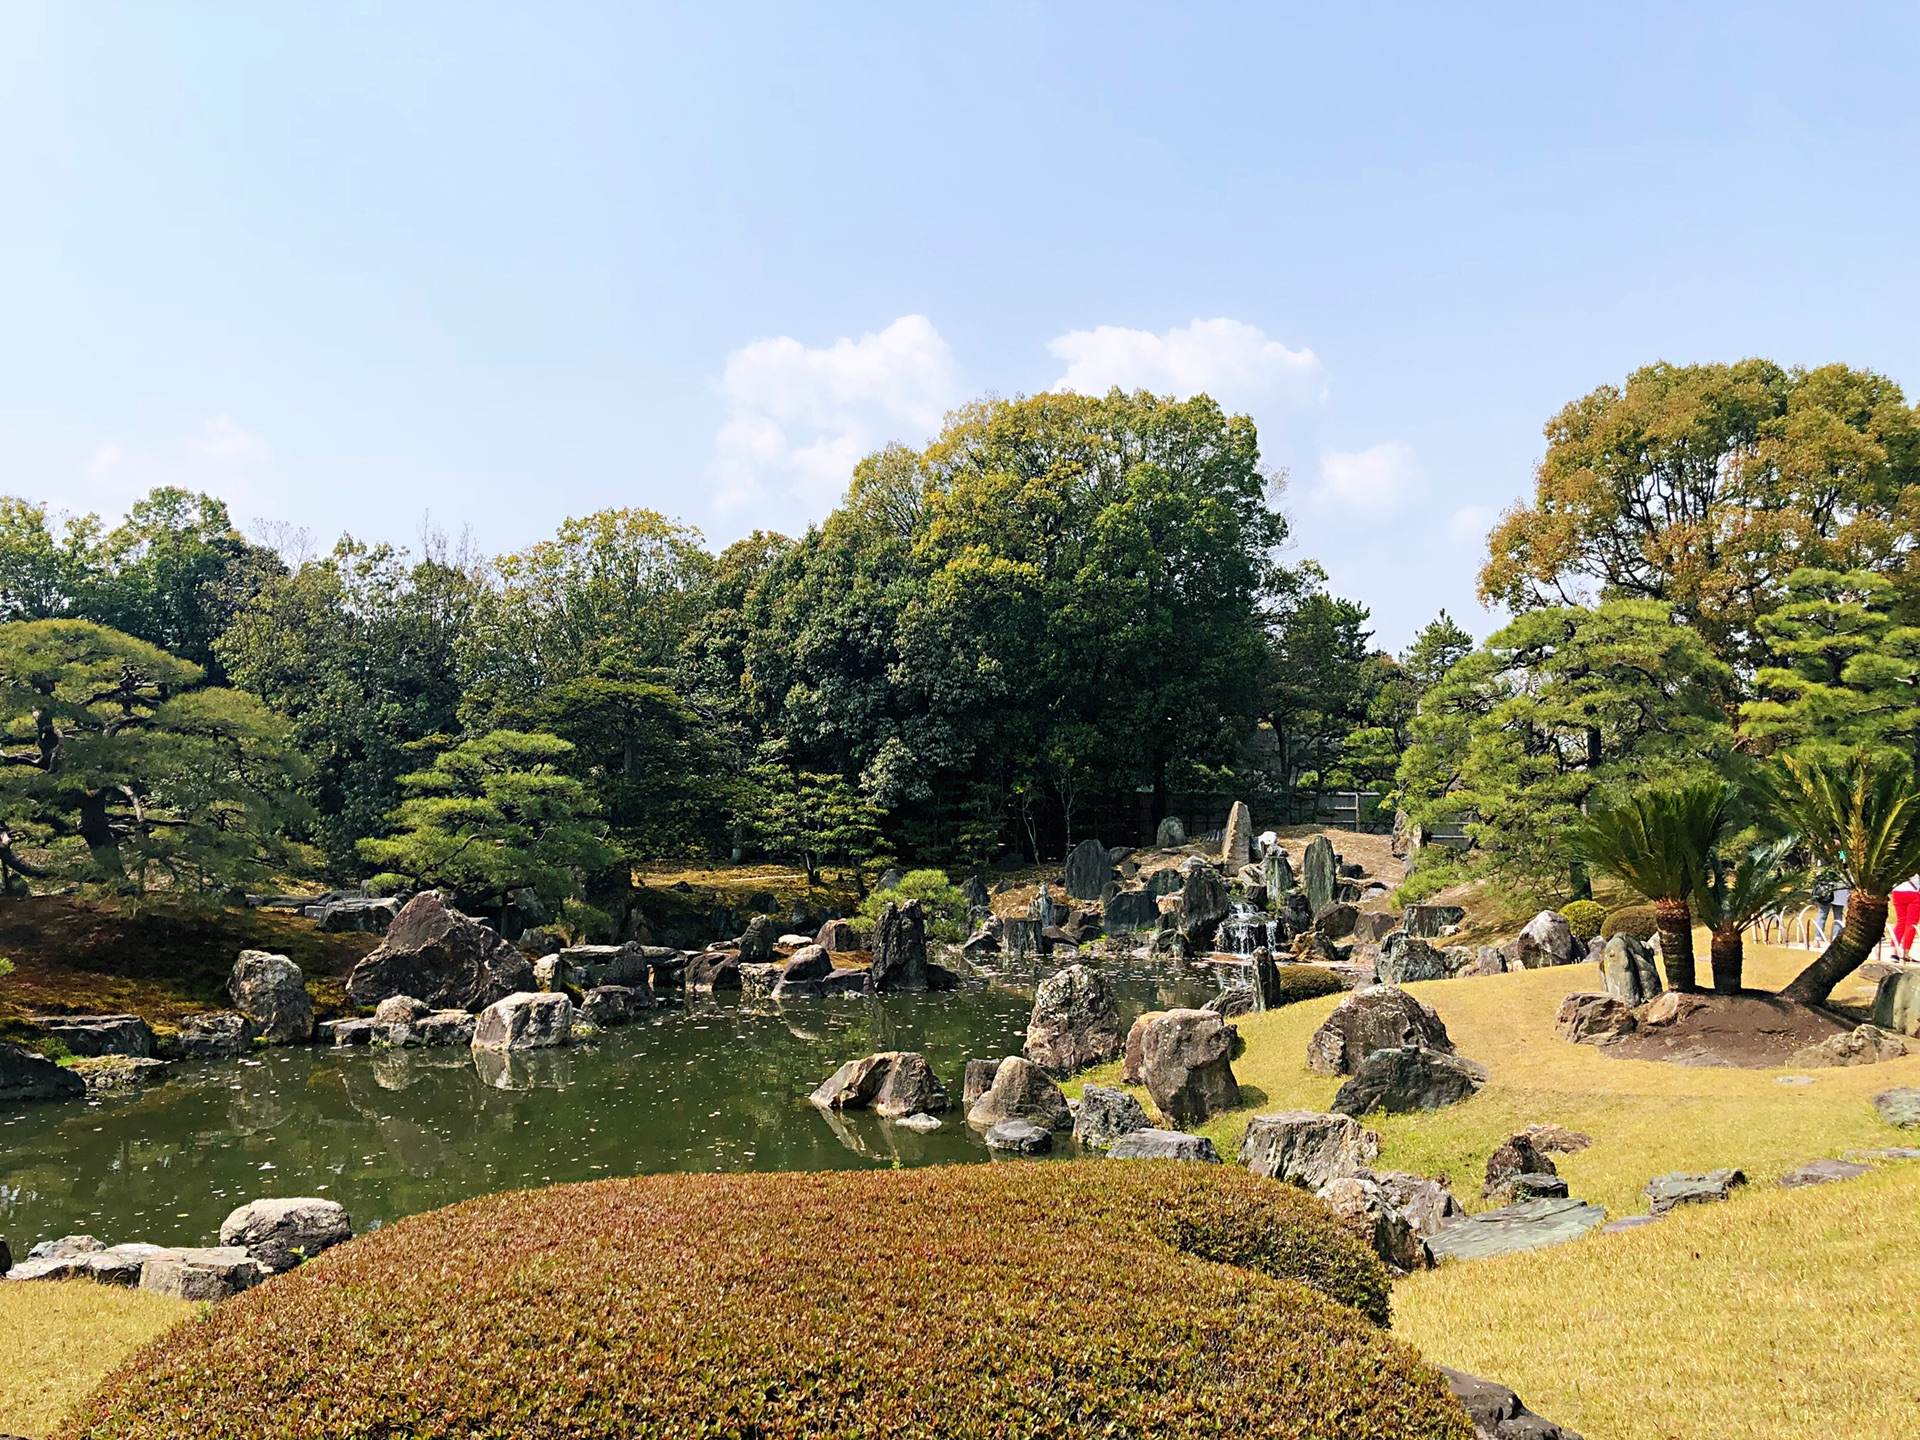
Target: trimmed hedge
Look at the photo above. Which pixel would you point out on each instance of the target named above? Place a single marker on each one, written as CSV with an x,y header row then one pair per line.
x,y
1639,921
1584,917
1307,982
1056,1300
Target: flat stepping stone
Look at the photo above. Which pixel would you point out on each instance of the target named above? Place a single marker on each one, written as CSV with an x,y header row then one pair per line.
x,y
1891,1152
1628,1222
1530,1225
1899,1106
1678,1187
1822,1172
1794,1080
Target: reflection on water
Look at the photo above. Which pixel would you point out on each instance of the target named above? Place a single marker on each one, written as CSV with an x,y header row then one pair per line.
x,y
717,1085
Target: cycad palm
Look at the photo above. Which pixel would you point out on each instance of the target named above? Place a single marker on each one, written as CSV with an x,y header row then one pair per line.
x,y
1860,815
1658,843
1735,892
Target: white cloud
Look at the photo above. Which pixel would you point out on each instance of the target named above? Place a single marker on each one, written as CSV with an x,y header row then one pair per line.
x,y
222,459
1470,524
798,418
225,443
1371,483
1231,361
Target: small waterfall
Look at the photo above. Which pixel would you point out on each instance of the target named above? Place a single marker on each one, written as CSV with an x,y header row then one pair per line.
x,y
1245,930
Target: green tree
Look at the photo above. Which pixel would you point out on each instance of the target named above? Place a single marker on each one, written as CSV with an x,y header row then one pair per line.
x,y
1394,687
1563,710
812,819
1321,681
118,768
1858,815
1658,841
42,575
1705,486
1842,673
365,654
493,815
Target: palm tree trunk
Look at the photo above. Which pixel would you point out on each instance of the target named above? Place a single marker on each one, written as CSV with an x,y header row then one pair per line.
x,y
1729,953
1866,923
1675,920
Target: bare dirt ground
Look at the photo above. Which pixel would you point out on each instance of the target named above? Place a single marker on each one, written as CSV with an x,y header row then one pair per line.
x,y
1746,1032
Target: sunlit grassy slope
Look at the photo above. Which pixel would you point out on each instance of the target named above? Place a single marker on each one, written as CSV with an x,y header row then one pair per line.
x,y
58,1339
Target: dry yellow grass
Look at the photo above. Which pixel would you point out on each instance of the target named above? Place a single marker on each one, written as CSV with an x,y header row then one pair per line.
x,y
58,1339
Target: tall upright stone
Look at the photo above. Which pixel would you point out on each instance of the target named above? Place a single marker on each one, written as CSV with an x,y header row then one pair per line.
x,y
1171,835
1203,905
1276,872
1088,870
1318,873
900,948
979,902
1236,849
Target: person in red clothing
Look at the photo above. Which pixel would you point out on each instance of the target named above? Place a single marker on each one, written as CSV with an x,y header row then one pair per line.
x,y
1906,916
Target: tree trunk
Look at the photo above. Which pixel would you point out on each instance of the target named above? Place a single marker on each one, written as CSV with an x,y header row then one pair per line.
x,y
96,829
1675,920
1866,923
1729,952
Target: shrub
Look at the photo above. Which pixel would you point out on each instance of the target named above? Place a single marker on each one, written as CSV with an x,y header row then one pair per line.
x,y
945,906
1053,1300
1639,921
1307,982
1584,918
1435,868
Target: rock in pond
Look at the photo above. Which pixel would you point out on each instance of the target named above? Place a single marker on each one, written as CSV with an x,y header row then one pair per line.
x,y
279,1234
1899,1106
1075,1022
1186,1065
712,971
1409,1078
1678,1187
900,949
1021,1090
923,1123
1496,1411
1822,1172
614,1004
893,1083
26,1075
212,1035
1019,1137
1380,1017
805,975
1163,1145
117,1074
1529,1225
97,1034
436,954
977,1080
529,1020
1105,1114
1307,1148
1203,905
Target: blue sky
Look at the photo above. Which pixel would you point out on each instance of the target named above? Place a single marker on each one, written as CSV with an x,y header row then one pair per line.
x,y
351,266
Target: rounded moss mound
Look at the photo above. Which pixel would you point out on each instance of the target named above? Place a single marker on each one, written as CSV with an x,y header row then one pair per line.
x,y
1095,1298
1640,921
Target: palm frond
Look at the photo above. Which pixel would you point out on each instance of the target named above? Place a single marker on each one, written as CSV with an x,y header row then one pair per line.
x,y
1757,880
1658,841
1858,813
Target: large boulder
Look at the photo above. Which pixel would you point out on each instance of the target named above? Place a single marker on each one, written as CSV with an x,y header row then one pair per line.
x,y
611,1005
1406,958
1862,1045
1410,1078
1089,871
1186,1064
839,936
1319,874
527,1020
1075,1022
1128,910
1203,905
211,1035
1427,1204
1336,921
900,949
279,1234
1899,1106
976,1080
271,991
712,971
1171,834
1236,842
756,941
805,974
1021,1090
1896,1003
1380,1017
910,1088
1430,922
98,1034
1164,1145
1306,1148
1593,1019
201,1274
363,914
854,1084
1627,971
1019,1137
25,1075
1105,1114
1363,1205
1544,941
436,954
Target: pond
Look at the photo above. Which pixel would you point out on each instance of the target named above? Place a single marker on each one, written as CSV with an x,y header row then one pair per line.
x,y
717,1084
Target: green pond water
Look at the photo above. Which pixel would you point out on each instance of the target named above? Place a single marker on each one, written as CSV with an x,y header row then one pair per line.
x,y
717,1084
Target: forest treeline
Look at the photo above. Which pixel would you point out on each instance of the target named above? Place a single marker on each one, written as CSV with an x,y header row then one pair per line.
x,y
1055,620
